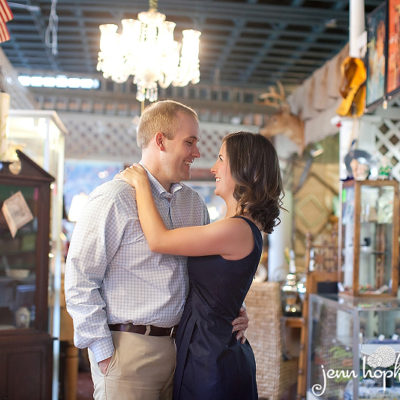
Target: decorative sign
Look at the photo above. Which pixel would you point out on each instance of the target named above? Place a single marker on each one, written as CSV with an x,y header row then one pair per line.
x,y
16,212
376,59
393,70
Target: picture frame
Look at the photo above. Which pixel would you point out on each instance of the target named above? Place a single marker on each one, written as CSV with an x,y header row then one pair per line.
x,y
393,48
16,212
376,56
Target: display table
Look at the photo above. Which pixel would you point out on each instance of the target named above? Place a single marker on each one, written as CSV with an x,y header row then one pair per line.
x,y
353,346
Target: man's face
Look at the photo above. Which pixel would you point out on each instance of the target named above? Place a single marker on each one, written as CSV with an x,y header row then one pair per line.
x,y
181,151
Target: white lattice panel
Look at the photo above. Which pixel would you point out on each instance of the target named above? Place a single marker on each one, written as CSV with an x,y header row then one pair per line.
x,y
114,138
211,135
100,138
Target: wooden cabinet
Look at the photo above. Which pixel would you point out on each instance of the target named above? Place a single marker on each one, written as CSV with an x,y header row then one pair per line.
x,y
25,345
368,238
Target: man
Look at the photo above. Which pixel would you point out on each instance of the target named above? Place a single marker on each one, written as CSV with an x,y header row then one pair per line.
x,y
126,301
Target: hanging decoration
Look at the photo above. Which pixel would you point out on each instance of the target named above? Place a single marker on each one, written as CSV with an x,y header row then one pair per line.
x,y
146,49
5,16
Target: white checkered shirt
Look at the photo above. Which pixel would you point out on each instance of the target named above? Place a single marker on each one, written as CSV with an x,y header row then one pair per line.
x,y
112,276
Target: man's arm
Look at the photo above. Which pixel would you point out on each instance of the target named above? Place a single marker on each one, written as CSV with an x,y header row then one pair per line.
x,y
96,238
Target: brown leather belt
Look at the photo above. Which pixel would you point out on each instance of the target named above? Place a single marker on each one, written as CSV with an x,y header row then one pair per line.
x,y
149,330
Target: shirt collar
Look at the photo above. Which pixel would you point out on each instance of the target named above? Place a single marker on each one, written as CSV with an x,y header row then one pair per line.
x,y
158,189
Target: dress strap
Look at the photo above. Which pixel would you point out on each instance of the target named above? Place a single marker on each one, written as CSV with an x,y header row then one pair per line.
x,y
256,232
249,221
253,226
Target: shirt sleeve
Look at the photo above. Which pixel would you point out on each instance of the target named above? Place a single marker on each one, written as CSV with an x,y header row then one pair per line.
x,y
206,215
95,240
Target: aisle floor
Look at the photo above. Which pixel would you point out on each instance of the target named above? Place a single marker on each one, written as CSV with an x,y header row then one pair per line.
x,y
85,388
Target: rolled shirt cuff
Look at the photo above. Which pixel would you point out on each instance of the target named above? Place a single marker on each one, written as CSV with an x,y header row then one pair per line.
x,y
102,349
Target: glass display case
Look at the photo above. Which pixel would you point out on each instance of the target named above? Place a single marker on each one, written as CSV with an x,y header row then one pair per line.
x,y
41,136
368,238
25,344
353,348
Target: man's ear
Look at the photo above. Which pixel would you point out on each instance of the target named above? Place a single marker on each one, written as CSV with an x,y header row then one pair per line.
x,y
159,139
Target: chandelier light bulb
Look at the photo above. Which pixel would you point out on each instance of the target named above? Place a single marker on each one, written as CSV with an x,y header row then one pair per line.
x,y
146,50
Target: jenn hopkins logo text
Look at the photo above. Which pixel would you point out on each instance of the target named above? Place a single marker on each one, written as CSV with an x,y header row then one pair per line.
x,y
383,357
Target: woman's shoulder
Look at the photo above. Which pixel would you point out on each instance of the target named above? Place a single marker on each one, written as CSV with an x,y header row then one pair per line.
x,y
252,226
247,220
235,225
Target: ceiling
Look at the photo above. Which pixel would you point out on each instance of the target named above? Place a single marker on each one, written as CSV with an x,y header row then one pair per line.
x,y
249,43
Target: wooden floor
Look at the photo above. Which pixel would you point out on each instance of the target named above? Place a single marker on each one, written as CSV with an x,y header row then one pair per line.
x,y
85,388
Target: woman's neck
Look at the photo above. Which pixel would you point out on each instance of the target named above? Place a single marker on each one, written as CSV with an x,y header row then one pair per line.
x,y
231,207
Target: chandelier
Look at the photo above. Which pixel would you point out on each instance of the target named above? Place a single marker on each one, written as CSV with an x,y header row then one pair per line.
x,y
146,49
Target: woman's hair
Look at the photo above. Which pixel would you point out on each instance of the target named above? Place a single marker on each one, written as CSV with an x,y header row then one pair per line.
x,y
255,168
162,116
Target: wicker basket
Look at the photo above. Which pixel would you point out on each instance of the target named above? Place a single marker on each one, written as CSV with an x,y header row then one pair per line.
x,y
274,375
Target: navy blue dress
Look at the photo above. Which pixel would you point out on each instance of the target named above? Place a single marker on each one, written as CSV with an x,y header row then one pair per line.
x,y
211,363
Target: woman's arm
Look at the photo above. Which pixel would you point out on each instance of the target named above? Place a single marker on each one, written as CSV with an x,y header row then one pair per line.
x,y
231,238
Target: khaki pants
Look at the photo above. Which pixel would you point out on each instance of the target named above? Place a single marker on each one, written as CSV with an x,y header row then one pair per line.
x,y
141,368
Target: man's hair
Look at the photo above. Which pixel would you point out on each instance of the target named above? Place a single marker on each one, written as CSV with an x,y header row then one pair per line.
x,y
161,116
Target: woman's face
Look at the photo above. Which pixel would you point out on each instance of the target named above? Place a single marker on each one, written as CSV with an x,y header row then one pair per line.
x,y
224,183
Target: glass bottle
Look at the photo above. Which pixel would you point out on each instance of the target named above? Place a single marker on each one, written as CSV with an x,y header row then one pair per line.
x,y
290,294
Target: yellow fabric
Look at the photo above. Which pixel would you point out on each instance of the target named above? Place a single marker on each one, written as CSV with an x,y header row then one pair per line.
x,y
352,87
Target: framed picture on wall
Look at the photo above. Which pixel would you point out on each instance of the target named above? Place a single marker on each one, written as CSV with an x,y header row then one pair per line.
x,y
376,55
393,61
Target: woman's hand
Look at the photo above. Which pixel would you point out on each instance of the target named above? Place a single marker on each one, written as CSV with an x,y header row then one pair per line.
x,y
135,175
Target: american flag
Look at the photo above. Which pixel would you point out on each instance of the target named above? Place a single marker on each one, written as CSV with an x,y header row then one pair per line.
x,y
5,16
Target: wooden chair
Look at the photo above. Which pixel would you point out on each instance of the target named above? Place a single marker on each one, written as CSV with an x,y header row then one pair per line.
x,y
274,375
322,259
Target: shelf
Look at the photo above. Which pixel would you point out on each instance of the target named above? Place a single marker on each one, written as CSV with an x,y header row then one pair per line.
x,y
18,252
368,349
293,322
30,278
372,252
376,223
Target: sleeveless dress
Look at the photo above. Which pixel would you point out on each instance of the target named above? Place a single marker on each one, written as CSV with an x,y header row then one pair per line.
x,y
211,363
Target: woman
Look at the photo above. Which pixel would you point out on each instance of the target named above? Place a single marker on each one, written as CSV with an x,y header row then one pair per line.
x,y
223,258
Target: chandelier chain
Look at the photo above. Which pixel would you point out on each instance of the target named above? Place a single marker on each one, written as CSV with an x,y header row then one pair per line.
x,y
153,4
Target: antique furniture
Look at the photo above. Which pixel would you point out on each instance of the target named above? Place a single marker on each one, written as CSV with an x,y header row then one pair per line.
x,y
41,134
368,238
353,344
322,274
25,344
264,308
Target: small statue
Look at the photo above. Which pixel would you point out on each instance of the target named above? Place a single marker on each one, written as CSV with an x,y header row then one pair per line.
x,y
385,170
22,318
360,168
357,163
